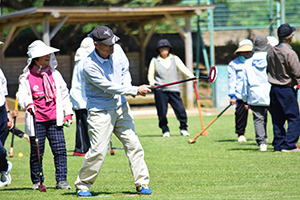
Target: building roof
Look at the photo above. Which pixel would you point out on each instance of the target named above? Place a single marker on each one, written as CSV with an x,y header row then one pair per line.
x,y
85,15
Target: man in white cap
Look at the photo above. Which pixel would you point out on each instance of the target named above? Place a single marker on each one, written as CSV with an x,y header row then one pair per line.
x,y
5,116
235,83
78,98
284,73
106,71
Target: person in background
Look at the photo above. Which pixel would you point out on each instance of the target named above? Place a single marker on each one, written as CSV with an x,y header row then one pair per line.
x,y
78,98
284,74
273,41
106,71
163,69
44,93
5,116
256,89
235,84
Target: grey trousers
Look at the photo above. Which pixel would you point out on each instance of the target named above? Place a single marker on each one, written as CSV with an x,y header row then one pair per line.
x,y
260,117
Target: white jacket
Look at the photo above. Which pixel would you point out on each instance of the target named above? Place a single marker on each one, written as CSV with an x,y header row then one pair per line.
x,y
63,103
256,87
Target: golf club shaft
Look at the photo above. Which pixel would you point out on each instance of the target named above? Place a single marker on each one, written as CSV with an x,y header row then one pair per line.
x,y
177,82
208,125
38,150
198,104
11,151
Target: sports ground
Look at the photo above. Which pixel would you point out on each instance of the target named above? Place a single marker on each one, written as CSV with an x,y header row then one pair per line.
x,y
215,167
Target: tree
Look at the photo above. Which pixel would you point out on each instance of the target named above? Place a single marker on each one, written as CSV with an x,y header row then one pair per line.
x,y
22,4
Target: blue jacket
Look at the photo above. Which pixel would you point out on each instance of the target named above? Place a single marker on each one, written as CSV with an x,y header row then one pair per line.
x,y
235,77
107,80
256,87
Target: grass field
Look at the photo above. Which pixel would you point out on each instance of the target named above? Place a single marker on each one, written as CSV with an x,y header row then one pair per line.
x,y
215,167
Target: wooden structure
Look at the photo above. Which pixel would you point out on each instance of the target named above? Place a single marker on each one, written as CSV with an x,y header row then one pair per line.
x,y
56,17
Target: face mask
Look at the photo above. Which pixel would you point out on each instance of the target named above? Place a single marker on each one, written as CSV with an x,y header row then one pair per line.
x,y
242,59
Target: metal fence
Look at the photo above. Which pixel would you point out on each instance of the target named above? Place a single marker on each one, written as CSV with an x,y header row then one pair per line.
x,y
248,14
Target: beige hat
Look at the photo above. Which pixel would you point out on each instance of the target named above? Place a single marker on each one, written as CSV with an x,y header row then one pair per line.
x,y
244,46
1,43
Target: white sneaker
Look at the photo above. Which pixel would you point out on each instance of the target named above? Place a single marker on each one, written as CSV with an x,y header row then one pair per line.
x,y
262,147
184,133
242,138
5,176
36,186
166,134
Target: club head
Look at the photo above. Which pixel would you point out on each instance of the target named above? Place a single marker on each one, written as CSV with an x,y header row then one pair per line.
x,y
213,73
42,188
192,140
112,152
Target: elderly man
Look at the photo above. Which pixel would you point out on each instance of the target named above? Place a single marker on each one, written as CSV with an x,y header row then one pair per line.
x,y
284,73
106,71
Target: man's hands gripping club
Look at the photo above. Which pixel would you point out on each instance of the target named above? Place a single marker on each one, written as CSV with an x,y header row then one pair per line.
x,y
143,90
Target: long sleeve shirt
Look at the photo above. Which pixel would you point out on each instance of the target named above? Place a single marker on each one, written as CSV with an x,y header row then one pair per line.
x,y
283,65
3,88
235,77
77,92
107,80
167,63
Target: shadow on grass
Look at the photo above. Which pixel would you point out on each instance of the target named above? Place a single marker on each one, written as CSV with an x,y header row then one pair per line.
x,y
15,189
233,140
243,149
104,194
150,135
20,189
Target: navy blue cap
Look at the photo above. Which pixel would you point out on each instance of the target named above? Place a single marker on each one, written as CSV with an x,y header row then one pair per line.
x,y
105,35
285,30
163,43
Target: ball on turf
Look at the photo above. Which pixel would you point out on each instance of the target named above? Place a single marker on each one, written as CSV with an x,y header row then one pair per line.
x,y
20,155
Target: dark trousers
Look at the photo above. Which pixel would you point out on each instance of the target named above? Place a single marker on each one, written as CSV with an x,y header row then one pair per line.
x,y
241,117
3,136
162,98
284,107
82,143
55,136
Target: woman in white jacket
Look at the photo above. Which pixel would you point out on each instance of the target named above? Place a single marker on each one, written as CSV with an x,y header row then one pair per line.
x,y
256,89
44,93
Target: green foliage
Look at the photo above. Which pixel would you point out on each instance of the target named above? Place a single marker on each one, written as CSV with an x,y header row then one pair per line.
x,y
215,167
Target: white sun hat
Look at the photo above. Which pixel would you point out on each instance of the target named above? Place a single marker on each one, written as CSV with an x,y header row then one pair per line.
x,y
244,46
38,49
86,47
